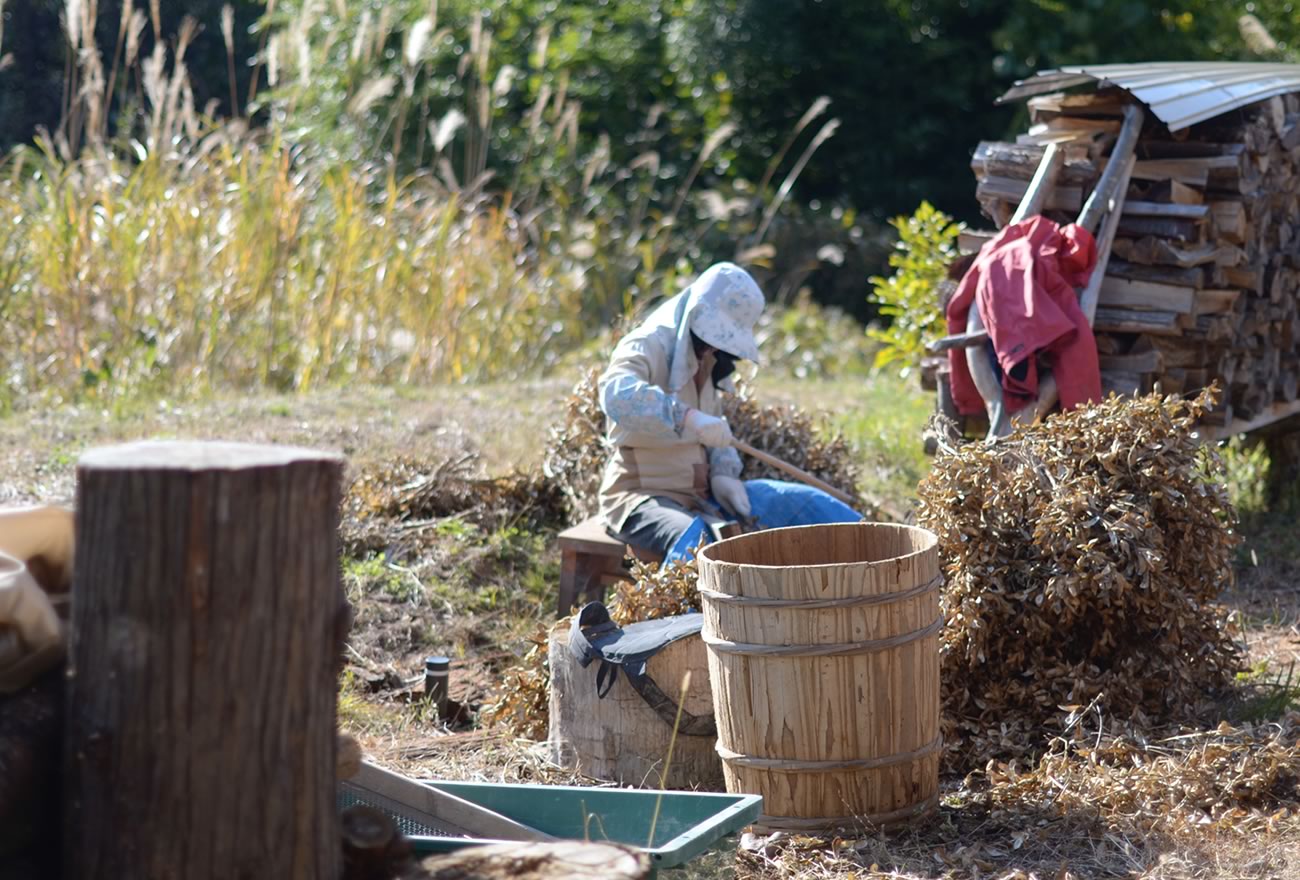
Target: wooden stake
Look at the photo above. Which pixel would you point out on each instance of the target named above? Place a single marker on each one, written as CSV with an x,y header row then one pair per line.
x,y
800,475
200,734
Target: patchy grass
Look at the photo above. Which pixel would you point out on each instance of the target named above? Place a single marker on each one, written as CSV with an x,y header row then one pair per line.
x,y
477,593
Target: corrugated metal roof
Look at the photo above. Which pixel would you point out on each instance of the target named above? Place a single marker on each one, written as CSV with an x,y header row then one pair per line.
x,y
1179,93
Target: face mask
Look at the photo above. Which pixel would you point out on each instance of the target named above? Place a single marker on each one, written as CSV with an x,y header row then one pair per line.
x,y
723,366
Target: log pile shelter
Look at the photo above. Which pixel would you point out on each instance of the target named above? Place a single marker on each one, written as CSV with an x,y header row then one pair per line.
x,y
1198,274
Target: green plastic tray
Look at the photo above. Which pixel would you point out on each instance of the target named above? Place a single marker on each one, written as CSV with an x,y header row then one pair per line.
x,y
689,822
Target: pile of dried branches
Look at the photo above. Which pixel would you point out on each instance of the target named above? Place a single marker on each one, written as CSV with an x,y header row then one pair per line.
x,y
1240,779
655,591
521,701
394,503
577,450
1083,557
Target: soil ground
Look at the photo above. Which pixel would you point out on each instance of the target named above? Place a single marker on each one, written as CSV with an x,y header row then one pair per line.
x,y
478,592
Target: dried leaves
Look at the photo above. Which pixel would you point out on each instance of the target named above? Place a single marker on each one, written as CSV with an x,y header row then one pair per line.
x,y
655,591
522,700
790,434
1082,557
1242,780
576,450
393,503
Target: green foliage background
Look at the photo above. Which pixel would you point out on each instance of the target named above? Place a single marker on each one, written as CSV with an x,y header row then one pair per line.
x,y
651,126
912,81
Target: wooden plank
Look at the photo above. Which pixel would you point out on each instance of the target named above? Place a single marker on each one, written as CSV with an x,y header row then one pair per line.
x,y
1190,277
1170,229
1117,320
1005,189
1077,123
1175,352
1161,209
1112,188
1151,250
1146,295
971,240
457,814
1244,277
1113,101
1187,171
1124,383
957,340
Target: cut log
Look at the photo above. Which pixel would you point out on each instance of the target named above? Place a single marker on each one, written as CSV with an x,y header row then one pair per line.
x,y
1172,382
1166,228
1153,251
1174,193
1190,277
200,730
1020,161
1115,320
569,860
1147,295
1010,191
1149,361
1215,302
621,738
1160,209
1125,384
971,240
1230,222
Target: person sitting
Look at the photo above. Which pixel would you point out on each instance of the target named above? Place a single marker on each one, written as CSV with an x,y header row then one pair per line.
x,y
673,475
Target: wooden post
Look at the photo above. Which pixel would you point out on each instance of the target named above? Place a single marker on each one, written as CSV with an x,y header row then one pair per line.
x,y
200,728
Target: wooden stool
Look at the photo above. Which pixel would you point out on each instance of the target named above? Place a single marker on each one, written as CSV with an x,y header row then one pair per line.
x,y
590,560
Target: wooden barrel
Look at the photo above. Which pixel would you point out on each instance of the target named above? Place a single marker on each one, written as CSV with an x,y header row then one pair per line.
x,y
823,647
621,738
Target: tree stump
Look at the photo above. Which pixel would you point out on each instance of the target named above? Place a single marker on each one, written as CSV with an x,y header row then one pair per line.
x,y
620,738
200,729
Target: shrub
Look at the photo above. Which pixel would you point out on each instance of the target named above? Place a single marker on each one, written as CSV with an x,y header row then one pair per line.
x,y
927,243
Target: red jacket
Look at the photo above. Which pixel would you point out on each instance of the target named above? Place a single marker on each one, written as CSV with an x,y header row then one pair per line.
x,y
1023,284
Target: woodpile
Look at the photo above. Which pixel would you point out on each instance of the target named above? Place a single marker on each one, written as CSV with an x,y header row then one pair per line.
x,y
1083,559
1203,281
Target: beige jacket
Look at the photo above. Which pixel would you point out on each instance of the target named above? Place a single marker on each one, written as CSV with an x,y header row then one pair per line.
x,y
650,458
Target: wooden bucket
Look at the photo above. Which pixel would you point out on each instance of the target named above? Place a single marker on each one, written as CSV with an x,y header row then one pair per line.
x,y
621,738
823,647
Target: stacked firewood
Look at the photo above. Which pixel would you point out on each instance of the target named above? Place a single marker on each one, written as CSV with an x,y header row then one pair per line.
x,y
1203,279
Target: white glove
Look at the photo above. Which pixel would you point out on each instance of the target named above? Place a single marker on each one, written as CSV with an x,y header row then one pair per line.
x,y
708,430
731,494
